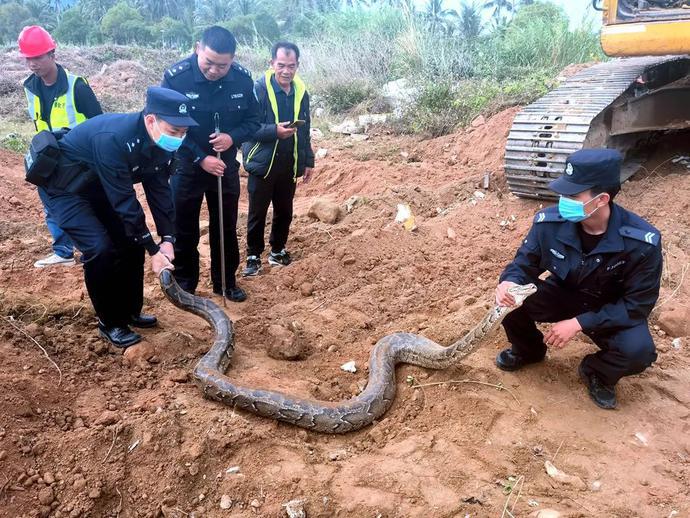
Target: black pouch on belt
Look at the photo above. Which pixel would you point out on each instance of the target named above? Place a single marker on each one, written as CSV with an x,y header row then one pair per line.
x,y
42,158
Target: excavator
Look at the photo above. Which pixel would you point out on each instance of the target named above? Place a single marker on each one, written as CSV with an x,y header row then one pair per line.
x,y
616,103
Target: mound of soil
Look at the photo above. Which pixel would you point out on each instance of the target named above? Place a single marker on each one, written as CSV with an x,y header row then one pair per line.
x,y
113,435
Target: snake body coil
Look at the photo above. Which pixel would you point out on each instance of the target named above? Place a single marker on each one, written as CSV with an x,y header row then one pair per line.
x,y
341,417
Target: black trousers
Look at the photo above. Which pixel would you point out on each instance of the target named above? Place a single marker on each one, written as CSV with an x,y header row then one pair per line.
x,y
279,189
189,185
623,351
113,263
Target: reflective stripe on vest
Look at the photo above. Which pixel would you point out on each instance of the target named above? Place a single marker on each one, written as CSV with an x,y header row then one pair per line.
x,y
64,112
300,90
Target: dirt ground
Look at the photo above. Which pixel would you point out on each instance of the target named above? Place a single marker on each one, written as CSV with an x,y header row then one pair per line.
x,y
114,436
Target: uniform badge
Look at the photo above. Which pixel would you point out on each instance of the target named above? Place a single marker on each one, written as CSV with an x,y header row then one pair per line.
x,y
192,95
183,108
569,169
557,253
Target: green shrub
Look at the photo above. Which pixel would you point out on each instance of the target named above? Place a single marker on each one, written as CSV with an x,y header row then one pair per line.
x,y
125,24
253,27
15,142
13,16
71,27
342,96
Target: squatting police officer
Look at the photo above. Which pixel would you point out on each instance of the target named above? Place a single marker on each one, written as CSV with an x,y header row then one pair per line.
x,y
220,95
605,270
92,197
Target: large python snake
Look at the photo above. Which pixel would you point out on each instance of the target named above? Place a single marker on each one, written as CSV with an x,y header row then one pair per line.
x,y
340,417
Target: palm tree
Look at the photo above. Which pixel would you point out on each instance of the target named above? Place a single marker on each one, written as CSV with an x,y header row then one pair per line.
x,y
211,11
470,21
438,17
499,6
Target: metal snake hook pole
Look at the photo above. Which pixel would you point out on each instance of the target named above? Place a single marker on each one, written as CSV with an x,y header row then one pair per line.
x,y
216,120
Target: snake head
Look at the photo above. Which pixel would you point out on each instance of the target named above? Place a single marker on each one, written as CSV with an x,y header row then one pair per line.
x,y
520,292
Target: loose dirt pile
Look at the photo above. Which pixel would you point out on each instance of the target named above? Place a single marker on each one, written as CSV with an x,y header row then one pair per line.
x,y
131,436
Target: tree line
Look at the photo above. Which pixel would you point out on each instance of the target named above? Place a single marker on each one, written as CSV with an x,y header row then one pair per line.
x,y
177,23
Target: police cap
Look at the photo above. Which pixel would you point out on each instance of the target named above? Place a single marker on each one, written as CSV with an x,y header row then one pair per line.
x,y
588,168
169,105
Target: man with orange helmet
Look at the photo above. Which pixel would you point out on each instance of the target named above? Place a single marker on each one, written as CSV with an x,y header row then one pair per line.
x,y
56,99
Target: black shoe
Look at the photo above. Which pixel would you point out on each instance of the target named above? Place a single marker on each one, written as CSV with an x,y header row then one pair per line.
x,y
281,258
253,266
119,336
604,396
143,320
507,360
234,294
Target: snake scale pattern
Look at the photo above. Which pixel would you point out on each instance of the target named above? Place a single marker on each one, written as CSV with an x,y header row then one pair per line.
x,y
340,417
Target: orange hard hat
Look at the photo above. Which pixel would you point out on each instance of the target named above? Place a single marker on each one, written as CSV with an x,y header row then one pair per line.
x,y
35,41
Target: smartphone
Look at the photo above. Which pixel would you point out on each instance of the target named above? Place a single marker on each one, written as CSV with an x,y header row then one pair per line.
x,y
296,124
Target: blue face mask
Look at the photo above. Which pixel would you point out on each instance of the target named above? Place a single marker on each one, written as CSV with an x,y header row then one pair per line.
x,y
168,142
574,210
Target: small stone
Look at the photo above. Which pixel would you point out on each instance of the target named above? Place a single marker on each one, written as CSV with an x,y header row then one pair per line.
x,y
337,455
306,289
595,485
295,509
3,455
348,260
177,375
255,504
95,493
325,211
194,469
139,353
349,367
546,513
478,121
285,344
675,321
108,417
79,484
225,502
48,478
46,496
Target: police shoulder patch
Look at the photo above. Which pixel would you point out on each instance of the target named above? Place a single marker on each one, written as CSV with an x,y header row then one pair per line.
x,y
178,67
240,68
548,215
646,236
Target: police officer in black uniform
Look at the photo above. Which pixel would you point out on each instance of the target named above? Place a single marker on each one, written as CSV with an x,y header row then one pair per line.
x,y
92,197
605,270
220,94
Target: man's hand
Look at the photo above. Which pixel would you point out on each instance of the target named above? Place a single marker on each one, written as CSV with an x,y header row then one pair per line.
x,y
308,171
213,165
160,262
562,332
284,132
220,142
503,298
168,250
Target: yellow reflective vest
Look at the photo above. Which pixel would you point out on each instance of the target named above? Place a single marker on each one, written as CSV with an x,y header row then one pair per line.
x,y
64,112
300,89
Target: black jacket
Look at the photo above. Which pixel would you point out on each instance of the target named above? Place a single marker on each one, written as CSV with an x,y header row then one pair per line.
x,y
232,97
116,149
623,272
258,152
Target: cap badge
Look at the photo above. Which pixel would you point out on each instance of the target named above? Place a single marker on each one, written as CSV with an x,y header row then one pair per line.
x,y
183,108
569,169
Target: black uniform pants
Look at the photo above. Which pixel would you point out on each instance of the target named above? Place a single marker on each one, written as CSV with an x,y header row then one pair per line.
x,y
189,185
113,263
279,189
623,351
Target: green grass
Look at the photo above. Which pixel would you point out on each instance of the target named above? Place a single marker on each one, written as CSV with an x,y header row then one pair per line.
x,y
16,136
